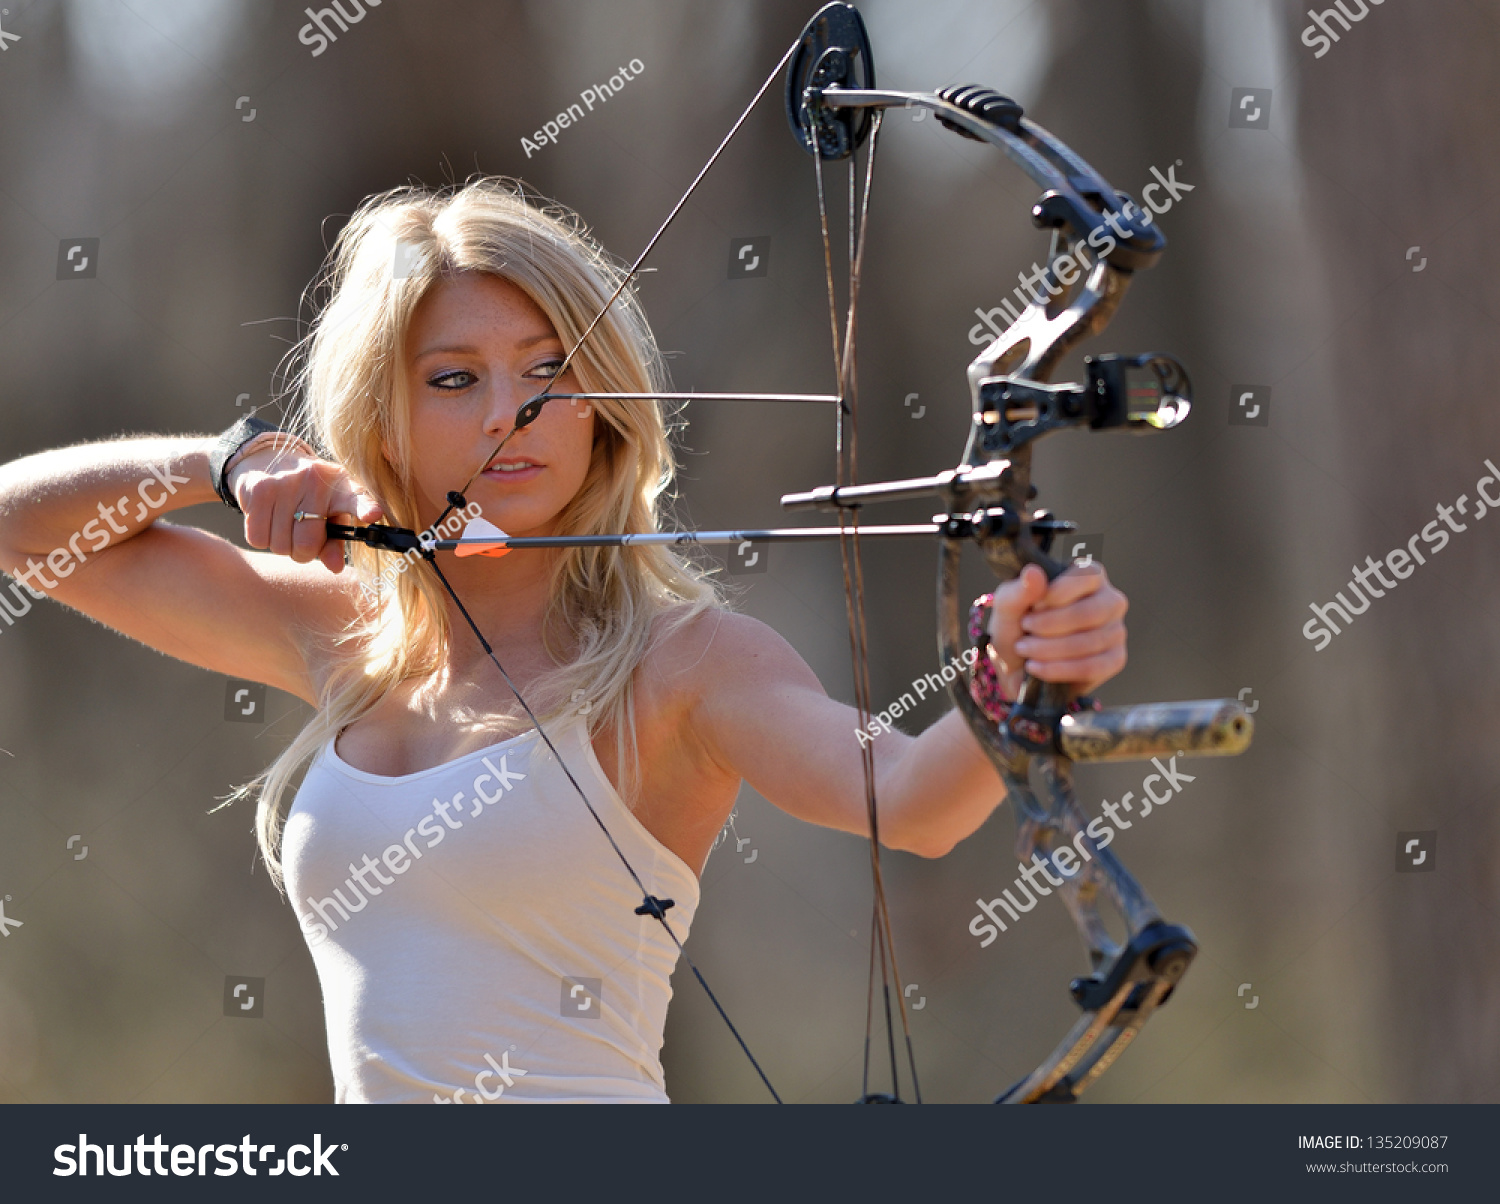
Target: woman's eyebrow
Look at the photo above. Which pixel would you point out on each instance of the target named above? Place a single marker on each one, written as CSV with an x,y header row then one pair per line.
x,y
453,350
465,349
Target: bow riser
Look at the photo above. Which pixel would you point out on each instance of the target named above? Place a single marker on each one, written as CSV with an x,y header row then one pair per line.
x,y
1036,343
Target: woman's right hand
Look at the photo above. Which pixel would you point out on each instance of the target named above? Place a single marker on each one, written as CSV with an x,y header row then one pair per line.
x,y
273,484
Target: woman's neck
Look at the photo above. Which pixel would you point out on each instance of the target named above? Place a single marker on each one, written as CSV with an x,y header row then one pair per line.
x,y
505,596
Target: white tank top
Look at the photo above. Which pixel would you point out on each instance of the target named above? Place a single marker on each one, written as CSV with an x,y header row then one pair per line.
x,y
474,933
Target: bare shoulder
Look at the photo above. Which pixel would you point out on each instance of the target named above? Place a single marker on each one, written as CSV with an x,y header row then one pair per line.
x,y
718,650
714,688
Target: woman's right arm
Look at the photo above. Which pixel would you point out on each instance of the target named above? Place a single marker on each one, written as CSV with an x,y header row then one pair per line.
x,y
80,525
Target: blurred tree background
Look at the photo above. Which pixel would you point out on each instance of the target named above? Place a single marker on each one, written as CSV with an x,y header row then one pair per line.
x,y
1332,254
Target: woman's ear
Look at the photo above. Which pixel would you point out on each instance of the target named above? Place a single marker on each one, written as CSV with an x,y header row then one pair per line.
x,y
388,454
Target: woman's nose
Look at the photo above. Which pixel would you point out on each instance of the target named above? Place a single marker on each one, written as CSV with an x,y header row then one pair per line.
x,y
504,406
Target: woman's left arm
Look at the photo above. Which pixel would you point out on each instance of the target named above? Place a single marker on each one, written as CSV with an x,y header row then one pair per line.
x,y
767,719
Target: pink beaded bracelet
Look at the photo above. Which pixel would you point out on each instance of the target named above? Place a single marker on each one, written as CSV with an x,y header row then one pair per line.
x,y
984,683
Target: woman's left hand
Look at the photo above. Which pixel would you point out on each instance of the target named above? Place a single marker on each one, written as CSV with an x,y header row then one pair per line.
x,y
1071,630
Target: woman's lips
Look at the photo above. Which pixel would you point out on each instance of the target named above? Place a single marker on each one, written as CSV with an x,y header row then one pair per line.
x,y
514,475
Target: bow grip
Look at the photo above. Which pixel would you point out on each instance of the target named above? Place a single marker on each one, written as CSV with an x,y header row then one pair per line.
x,y
1033,718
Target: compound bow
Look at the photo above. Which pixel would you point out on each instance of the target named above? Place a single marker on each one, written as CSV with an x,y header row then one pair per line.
x,y
834,108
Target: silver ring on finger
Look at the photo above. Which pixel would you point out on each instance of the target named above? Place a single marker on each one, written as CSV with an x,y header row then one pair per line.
x,y
302,515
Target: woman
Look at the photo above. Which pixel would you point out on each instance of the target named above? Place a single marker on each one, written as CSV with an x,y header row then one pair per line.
x,y
468,919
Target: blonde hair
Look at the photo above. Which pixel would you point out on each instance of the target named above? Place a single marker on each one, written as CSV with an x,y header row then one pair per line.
x,y
605,605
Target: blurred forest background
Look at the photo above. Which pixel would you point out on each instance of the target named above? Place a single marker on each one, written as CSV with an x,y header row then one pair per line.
x,y
1333,253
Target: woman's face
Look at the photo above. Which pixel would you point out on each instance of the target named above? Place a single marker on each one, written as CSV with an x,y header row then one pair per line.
x,y
479,349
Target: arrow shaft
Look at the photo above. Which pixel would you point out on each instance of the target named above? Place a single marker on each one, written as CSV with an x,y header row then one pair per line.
x,y
687,538
818,398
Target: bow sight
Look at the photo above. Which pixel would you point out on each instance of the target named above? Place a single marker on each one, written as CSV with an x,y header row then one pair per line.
x,y
830,99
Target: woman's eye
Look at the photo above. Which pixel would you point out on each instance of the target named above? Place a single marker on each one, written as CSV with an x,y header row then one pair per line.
x,y
546,371
450,381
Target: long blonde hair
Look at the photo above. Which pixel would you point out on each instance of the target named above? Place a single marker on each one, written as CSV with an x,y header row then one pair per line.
x,y
605,605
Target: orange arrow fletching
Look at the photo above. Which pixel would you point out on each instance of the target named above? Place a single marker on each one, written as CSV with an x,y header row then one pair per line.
x,y
478,528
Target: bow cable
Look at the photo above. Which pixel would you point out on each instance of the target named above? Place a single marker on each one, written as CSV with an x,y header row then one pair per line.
x,y
882,941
